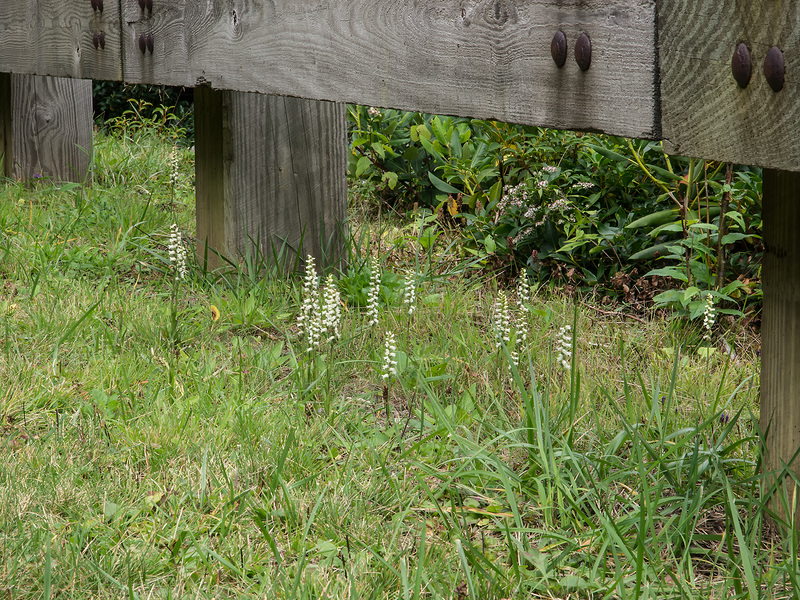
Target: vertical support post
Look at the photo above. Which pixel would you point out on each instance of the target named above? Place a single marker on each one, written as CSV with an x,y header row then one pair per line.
x,y
271,177
780,324
45,127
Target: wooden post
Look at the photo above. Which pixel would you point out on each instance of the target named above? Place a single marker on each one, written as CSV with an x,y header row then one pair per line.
x,y
272,172
780,323
45,127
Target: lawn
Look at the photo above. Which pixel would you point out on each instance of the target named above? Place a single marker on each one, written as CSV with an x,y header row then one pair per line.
x,y
193,437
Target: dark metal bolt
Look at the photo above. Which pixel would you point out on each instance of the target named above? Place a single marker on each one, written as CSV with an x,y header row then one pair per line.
x,y
141,4
558,48
149,42
102,38
583,52
94,4
774,68
149,5
96,40
142,43
741,65
99,5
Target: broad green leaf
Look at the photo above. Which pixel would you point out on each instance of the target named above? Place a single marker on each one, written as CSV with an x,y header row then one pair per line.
x,y
423,133
608,153
654,219
431,150
363,164
674,272
690,293
650,252
411,153
379,149
730,238
390,177
496,192
455,144
442,186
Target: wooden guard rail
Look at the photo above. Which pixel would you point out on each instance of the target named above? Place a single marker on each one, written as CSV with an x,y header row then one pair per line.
x,y
715,79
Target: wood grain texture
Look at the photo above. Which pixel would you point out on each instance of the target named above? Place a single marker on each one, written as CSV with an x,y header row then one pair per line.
x,y
478,58
48,127
704,112
272,171
780,321
54,37
6,130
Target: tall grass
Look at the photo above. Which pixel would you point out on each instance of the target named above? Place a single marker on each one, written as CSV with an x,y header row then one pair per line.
x,y
168,440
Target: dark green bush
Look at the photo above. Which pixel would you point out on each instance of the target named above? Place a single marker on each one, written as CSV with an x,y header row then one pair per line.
x,y
595,210
112,99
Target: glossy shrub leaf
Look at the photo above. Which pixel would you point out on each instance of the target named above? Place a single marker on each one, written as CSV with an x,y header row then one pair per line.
x,y
442,186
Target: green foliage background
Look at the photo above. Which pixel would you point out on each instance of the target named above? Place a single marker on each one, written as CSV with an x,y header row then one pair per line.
x,y
596,211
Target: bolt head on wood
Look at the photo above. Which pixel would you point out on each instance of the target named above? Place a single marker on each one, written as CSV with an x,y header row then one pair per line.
x,y
558,48
142,43
583,52
102,39
94,4
96,41
741,66
774,69
141,4
148,5
150,42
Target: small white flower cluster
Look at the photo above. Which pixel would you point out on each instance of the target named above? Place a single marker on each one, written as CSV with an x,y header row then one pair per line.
x,y
173,165
582,185
564,347
501,316
410,292
319,322
177,253
389,357
373,112
307,320
331,313
549,169
514,196
541,184
560,205
709,316
523,233
523,292
373,296
523,297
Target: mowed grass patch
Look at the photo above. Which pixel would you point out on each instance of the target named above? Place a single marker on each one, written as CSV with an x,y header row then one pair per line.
x,y
169,438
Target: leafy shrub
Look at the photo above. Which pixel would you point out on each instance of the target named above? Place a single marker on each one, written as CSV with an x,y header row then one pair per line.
x,y
589,208
113,99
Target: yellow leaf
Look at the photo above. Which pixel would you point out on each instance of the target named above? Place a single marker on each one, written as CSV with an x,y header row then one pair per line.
x,y
452,206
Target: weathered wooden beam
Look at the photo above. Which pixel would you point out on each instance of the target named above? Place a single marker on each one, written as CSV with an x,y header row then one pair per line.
x,y
479,58
46,127
271,171
63,39
705,112
780,322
